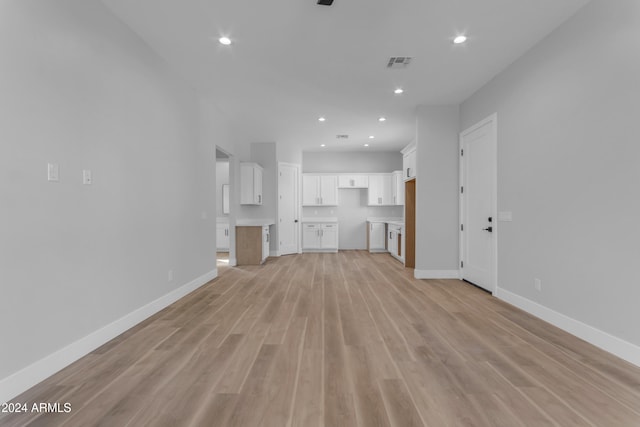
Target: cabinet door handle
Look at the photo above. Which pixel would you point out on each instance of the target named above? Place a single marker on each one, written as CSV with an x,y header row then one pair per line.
x,y
408,173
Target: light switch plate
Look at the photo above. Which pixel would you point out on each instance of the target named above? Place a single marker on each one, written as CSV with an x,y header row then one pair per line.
x,y
86,177
53,172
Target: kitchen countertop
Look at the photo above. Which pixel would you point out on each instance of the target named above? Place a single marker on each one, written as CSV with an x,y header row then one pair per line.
x,y
389,220
247,222
400,223
320,219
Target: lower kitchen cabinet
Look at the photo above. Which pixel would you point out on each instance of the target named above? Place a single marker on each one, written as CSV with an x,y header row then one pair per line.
x,y
320,237
395,241
376,236
252,244
222,237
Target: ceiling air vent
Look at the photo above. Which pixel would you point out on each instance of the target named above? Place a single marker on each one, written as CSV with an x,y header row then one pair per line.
x,y
399,61
342,136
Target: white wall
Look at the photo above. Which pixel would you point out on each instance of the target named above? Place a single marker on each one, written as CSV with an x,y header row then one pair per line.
x,y
351,161
352,211
568,168
437,191
81,90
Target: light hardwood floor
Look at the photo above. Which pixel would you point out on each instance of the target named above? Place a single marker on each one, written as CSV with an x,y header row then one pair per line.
x,y
347,339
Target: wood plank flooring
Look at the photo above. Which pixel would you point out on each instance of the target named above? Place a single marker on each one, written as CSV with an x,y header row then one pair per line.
x,y
347,339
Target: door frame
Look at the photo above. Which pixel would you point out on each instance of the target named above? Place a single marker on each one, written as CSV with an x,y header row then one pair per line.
x,y
298,206
493,120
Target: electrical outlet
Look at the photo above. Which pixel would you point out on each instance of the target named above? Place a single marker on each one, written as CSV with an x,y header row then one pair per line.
x,y
170,276
537,283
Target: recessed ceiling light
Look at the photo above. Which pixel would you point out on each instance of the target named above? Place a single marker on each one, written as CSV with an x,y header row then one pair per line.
x,y
366,145
398,91
323,145
321,119
382,119
460,39
225,40
371,136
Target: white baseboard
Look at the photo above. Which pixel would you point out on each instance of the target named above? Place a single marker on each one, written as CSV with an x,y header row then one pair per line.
x,y
436,274
26,378
233,262
614,345
274,253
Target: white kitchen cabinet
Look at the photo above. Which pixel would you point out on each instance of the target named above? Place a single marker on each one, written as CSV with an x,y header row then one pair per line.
x,y
222,237
398,188
266,238
409,162
310,236
319,190
395,241
320,237
353,181
376,236
250,183
329,236
381,190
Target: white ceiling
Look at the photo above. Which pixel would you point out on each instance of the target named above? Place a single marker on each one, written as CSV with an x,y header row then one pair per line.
x,y
292,61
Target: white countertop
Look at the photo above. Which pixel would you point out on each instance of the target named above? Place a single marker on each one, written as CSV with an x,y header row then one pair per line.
x,y
320,219
398,223
248,222
396,220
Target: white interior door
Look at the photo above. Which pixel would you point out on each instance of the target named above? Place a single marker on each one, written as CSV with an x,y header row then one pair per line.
x,y
478,204
288,209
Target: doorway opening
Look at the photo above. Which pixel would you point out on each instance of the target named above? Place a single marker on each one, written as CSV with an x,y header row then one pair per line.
x,y
223,206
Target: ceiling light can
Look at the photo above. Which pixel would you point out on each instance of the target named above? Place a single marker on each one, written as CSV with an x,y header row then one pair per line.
x,y
225,40
460,39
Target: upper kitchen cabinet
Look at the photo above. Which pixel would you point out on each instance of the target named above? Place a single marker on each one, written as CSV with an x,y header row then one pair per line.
x,y
409,162
353,181
250,183
398,188
381,189
319,190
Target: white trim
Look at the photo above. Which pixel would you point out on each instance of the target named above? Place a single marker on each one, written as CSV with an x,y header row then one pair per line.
x,y
436,274
20,381
493,118
274,253
614,345
233,262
